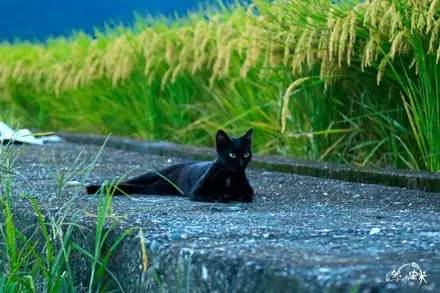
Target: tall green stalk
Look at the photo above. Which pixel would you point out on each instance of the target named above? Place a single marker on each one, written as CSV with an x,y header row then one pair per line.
x,y
420,93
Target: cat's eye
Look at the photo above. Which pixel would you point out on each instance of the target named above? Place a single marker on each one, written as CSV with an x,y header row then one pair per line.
x,y
232,155
246,155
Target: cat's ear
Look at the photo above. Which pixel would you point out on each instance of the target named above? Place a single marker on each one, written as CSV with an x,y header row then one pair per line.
x,y
222,139
248,135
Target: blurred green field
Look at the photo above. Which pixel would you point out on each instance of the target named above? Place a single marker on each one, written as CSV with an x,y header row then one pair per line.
x,y
349,82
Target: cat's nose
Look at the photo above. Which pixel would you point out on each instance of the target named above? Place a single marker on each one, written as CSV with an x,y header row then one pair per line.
x,y
242,162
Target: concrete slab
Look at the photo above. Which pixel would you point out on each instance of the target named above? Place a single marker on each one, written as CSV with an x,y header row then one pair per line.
x,y
301,234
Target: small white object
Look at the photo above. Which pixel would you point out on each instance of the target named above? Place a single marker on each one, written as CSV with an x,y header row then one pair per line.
x,y
23,135
72,183
204,273
324,270
51,138
374,231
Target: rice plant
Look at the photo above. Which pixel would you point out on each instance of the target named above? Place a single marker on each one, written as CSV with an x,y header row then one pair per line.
x,y
242,66
357,41
421,101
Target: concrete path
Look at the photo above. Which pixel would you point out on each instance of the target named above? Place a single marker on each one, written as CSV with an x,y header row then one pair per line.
x,y
301,233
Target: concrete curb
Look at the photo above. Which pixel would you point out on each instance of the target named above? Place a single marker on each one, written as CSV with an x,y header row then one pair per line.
x,y
425,181
302,234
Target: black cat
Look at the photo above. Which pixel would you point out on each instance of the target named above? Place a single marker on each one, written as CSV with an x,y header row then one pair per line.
x,y
222,180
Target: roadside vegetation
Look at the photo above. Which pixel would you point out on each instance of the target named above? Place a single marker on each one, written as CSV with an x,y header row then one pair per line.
x,y
347,82
45,256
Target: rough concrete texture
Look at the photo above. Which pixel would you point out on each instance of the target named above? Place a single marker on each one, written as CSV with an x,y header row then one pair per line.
x,y
301,234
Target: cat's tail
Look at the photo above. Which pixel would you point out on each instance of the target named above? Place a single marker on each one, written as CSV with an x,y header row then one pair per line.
x,y
119,189
92,188
128,188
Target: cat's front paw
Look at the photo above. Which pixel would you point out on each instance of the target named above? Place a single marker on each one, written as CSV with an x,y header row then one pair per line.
x,y
247,195
225,198
196,197
248,198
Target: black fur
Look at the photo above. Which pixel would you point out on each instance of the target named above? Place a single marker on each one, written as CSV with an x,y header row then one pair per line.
x,y
222,180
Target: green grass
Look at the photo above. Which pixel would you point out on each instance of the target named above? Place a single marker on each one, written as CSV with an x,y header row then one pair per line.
x,y
39,257
238,68
421,101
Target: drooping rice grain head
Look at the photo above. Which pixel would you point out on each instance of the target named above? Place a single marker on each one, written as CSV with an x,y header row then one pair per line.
x,y
150,41
165,78
286,98
334,38
5,76
252,54
370,49
220,48
287,45
300,53
391,21
17,70
199,44
310,49
434,36
228,57
382,66
343,39
431,18
397,43
421,23
352,39
169,52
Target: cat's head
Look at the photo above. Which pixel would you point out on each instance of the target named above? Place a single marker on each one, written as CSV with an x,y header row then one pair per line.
x,y
235,152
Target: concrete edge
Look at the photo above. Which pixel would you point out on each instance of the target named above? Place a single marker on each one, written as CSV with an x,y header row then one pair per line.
x,y
426,181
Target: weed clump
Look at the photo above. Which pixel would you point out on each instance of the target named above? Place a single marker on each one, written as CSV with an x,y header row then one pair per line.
x,y
41,257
